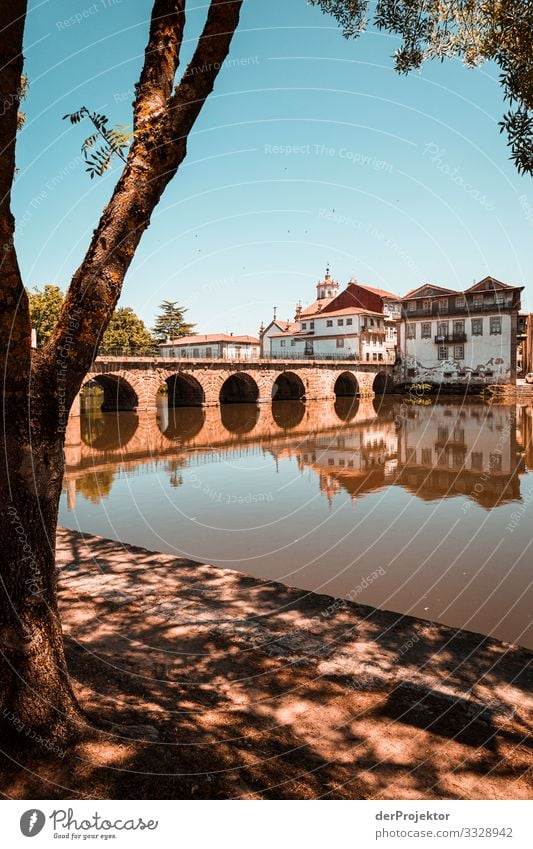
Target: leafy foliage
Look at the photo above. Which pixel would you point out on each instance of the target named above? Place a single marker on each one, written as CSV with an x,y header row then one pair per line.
x,y
127,330
23,91
100,147
472,30
170,323
45,307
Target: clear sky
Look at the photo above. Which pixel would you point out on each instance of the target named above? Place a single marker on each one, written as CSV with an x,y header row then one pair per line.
x,y
310,150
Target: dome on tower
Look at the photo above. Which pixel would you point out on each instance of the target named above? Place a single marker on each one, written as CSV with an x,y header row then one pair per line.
x,y
327,288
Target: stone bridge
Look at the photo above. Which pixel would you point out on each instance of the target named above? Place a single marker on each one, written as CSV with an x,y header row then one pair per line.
x,y
133,383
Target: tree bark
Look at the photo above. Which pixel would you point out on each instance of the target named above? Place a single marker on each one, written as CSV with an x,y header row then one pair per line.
x,y
36,697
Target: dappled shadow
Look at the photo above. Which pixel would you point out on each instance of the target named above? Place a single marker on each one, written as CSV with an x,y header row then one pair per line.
x,y
258,690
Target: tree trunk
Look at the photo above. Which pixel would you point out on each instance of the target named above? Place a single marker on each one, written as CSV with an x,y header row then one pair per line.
x,y
38,389
35,693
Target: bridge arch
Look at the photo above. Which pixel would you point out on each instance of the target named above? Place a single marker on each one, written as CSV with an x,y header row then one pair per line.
x,y
184,390
382,383
108,433
240,419
181,424
119,394
286,415
346,407
346,385
239,388
288,386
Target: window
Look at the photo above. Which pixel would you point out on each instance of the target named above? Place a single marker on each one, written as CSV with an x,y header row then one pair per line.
x,y
495,325
309,347
282,343
458,457
499,298
426,330
208,352
443,306
476,460
427,459
443,352
340,343
349,321
380,357
443,434
477,327
411,331
329,323
426,306
304,326
371,322
340,322
460,303
195,352
411,306
459,328
293,343
459,352
458,435
374,356
478,302
495,462
312,325
442,329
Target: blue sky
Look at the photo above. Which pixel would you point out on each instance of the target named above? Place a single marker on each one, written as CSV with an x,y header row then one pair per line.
x,y
311,150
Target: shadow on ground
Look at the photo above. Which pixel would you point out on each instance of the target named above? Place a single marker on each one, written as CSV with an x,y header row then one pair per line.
x,y
238,687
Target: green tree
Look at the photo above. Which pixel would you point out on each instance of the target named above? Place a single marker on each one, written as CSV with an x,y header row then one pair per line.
x,y
39,387
45,308
474,31
170,323
126,330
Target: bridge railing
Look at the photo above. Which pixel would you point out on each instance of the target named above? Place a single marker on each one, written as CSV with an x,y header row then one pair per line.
x,y
156,353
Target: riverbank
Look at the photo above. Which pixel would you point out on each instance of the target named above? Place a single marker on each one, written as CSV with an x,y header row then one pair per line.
x,y
247,688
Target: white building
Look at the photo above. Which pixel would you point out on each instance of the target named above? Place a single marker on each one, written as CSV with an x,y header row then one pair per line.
x,y
326,291
218,346
348,333
358,323
457,338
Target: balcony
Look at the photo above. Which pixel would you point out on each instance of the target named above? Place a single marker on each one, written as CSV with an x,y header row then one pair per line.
x,y
450,338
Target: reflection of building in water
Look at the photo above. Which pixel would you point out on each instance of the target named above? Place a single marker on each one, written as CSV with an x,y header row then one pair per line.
x,y
452,449
435,452
524,434
358,459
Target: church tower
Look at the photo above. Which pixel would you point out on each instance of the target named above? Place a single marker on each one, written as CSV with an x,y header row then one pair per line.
x,y
327,288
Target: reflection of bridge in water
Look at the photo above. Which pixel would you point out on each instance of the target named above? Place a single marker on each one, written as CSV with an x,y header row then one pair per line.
x,y
443,450
98,439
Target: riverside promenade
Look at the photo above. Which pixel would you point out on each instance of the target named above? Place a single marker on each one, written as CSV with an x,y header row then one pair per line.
x,y
237,687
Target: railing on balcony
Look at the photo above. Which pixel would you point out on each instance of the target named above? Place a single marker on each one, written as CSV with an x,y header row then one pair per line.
x,y
449,338
466,309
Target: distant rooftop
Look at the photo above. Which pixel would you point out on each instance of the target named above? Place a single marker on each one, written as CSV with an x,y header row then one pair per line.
x,y
210,339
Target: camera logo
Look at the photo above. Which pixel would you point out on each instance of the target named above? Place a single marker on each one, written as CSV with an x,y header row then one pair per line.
x,y
32,822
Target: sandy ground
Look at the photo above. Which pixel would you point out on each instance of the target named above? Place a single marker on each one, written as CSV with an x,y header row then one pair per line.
x,y
237,687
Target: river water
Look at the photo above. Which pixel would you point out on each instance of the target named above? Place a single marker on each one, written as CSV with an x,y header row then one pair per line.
x,y
422,508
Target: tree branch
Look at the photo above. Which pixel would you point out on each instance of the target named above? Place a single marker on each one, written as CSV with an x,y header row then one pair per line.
x,y
15,328
161,61
155,155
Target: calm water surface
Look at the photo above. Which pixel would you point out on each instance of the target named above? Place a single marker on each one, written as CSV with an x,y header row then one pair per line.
x,y
418,508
